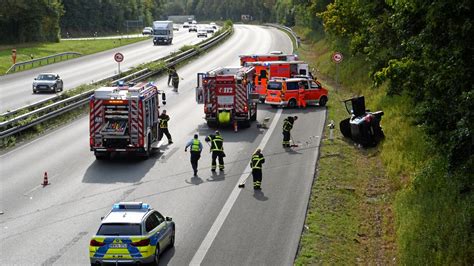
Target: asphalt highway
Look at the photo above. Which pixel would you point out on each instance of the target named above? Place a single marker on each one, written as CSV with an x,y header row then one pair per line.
x,y
16,89
217,223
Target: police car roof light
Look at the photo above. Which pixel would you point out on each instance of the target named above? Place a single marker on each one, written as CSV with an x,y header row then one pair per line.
x,y
130,206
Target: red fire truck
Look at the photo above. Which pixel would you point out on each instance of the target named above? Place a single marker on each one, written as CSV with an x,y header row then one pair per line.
x,y
124,119
269,69
273,56
228,96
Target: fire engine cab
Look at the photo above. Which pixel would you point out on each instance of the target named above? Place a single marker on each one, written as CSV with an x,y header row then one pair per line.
x,y
124,119
244,59
228,96
268,69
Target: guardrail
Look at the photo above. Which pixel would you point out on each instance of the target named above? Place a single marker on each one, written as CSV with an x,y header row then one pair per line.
x,y
293,34
45,113
40,60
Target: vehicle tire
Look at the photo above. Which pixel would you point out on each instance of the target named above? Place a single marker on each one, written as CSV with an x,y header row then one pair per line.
x,y
292,103
100,156
212,124
148,149
156,257
171,245
244,124
322,101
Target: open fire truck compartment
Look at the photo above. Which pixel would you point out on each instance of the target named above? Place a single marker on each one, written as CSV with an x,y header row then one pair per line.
x,y
124,119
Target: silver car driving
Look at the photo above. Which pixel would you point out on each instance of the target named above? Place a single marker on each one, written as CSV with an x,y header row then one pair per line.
x,y
48,82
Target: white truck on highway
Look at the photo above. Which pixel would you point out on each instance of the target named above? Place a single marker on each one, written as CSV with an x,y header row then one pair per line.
x,y
162,32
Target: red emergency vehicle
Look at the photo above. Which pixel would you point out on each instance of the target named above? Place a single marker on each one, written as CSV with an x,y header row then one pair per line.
x,y
274,56
268,69
124,119
228,96
284,92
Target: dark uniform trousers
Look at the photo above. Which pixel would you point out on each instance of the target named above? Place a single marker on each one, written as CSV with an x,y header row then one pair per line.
x,y
215,155
195,155
257,178
164,130
286,138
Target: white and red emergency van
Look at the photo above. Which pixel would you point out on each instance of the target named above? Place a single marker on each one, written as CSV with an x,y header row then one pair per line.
x,y
265,70
228,96
124,119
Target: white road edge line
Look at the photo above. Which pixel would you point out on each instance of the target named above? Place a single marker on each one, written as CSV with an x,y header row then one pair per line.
x,y
216,226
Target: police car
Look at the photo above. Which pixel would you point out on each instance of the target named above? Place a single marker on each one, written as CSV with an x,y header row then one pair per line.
x,y
132,232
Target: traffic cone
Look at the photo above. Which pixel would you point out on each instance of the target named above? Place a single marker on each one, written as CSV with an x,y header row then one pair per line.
x,y
45,179
235,126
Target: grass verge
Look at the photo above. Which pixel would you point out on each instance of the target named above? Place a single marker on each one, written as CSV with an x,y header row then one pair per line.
x,y
350,217
85,47
394,204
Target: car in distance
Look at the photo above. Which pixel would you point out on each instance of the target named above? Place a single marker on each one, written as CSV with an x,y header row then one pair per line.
x,y
132,232
175,27
202,33
213,25
48,82
194,22
186,24
210,29
193,28
147,31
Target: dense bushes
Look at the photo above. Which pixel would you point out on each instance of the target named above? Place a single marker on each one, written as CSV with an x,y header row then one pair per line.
x,y
420,53
30,21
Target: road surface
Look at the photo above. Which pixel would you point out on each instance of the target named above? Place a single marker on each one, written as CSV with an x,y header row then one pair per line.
x,y
16,89
217,222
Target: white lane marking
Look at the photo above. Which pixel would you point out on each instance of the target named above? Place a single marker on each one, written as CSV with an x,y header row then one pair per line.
x,y
216,226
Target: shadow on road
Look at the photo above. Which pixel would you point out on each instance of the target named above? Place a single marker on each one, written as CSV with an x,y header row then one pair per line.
x,y
258,194
120,168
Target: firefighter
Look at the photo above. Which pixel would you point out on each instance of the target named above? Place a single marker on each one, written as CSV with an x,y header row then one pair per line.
x,y
301,95
171,72
196,148
287,126
175,81
217,149
164,118
256,164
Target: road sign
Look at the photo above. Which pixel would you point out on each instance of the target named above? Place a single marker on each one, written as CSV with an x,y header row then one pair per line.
x,y
337,57
118,57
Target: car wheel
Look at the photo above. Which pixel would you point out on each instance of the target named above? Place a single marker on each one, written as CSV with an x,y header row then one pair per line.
x,y
322,101
156,258
172,238
292,103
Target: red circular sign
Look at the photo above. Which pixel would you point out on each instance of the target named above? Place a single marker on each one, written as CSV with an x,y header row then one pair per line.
x,y
337,57
118,57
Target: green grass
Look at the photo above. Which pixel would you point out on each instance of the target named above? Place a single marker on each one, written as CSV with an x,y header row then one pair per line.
x,y
38,50
349,217
423,215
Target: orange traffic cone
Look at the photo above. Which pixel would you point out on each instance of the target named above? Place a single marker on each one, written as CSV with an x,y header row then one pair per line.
x,y
235,126
45,179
